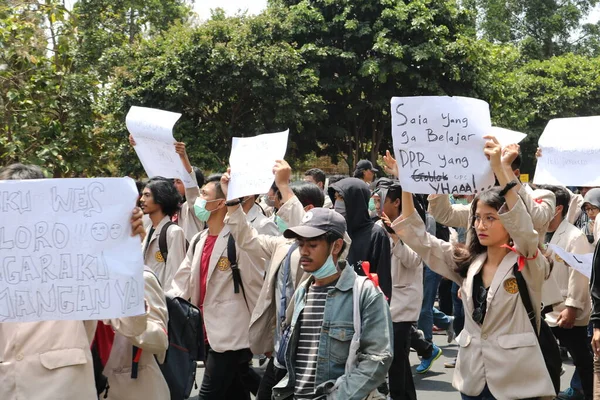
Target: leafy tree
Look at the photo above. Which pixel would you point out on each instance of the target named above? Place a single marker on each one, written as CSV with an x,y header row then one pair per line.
x,y
366,51
228,77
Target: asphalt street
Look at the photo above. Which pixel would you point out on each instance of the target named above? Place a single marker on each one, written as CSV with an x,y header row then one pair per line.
x,y
436,384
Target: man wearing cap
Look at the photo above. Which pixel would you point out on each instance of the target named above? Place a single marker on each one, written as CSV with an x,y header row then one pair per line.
x,y
365,171
322,320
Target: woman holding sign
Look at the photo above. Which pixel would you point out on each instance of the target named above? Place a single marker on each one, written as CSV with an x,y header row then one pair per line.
x,y
499,355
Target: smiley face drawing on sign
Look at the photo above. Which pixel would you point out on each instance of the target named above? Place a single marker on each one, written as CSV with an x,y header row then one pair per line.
x,y
100,231
115,231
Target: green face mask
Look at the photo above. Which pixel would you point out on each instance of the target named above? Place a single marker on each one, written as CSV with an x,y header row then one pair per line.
x,y
372,204
281,224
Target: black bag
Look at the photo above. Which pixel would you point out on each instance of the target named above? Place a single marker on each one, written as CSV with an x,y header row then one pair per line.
x,y
546,338
162,241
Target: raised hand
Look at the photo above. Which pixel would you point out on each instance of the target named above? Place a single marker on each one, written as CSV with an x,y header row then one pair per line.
x,y
391,165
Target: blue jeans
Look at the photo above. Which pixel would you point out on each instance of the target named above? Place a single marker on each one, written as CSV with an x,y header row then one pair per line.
x,y
459,312
485,395
429,314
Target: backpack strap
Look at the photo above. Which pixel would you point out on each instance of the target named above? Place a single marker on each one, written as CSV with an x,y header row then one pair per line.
x,y
235,270
524,292
286,277
162,241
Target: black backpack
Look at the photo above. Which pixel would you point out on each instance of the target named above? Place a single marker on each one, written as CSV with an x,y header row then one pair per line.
x,y
546,338
186,339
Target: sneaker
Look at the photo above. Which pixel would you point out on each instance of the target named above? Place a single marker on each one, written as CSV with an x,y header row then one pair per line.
x,y
450,364
427,362
570,394
450,331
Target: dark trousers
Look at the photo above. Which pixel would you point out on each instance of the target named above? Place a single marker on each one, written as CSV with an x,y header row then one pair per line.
x,y
423,347
445,297
576,341
402,386
224,375
271,378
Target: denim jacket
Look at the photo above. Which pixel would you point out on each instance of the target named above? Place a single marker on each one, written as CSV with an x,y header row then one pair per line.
x,y
375,354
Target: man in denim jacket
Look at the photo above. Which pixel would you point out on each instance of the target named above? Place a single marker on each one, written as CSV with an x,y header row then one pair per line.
x,y
322,322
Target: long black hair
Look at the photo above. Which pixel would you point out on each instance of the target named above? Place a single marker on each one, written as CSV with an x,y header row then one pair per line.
x,y
465,255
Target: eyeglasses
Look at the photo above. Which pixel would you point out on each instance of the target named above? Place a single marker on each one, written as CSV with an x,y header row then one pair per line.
x,y
480,302
487,222
590,209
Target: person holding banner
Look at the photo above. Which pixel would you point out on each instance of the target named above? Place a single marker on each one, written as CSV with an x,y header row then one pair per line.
x,y
160,201
499,355
52,359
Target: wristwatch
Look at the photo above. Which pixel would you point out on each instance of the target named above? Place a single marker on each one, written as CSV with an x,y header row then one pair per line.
x,y
232,203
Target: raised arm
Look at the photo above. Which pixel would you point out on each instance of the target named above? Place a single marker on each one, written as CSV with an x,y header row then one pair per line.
x,y
454,215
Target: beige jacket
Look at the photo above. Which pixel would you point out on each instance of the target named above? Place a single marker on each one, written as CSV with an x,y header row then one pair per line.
x,y
188,221
226,313
574,287
153,258
407,284
574,207
49,360
150,383
274,249
263,225
504,351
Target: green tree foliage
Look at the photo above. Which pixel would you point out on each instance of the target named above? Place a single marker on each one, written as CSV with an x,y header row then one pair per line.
x,y
544,28
364,52
228,77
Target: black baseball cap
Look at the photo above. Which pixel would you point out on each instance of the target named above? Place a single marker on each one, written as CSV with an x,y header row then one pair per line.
x,y
366,165
318,222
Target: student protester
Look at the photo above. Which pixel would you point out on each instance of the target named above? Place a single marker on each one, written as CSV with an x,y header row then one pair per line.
x,y
160,201
151,344
322,320
569,319
51,359
365,171
591,207
499,355
276,293
370,241
206,277
595,318
407,294
318,177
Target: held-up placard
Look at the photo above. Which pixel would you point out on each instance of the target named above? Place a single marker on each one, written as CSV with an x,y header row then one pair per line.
x,y
252,160
67,250
570,152
152,130
438,143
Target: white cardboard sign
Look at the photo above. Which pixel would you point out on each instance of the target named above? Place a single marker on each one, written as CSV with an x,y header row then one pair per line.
x,y
252,160
438,143
67,250
570,152
152,130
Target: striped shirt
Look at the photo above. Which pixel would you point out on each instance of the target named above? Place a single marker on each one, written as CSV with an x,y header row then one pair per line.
x,y
307,351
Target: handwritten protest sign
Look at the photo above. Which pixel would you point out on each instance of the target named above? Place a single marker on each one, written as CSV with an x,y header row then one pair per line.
x,y
570,152
152,130
582,263
438,143
252,160
67,250
507,136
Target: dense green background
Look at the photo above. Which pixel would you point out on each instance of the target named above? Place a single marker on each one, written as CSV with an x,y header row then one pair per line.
x,y
324,68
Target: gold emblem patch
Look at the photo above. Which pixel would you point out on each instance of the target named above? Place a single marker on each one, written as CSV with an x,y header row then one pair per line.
x,y
223,264
510,285
158,257
558,259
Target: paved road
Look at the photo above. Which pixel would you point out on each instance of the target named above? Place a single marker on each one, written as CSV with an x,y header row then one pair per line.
x,y
437,383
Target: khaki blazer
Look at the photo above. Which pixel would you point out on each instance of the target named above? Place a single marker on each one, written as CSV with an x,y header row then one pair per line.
x,y
504,351
407,284
274,249
574,287
49,360
188,221
263,225
226,313
176,246
574,207
150,383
